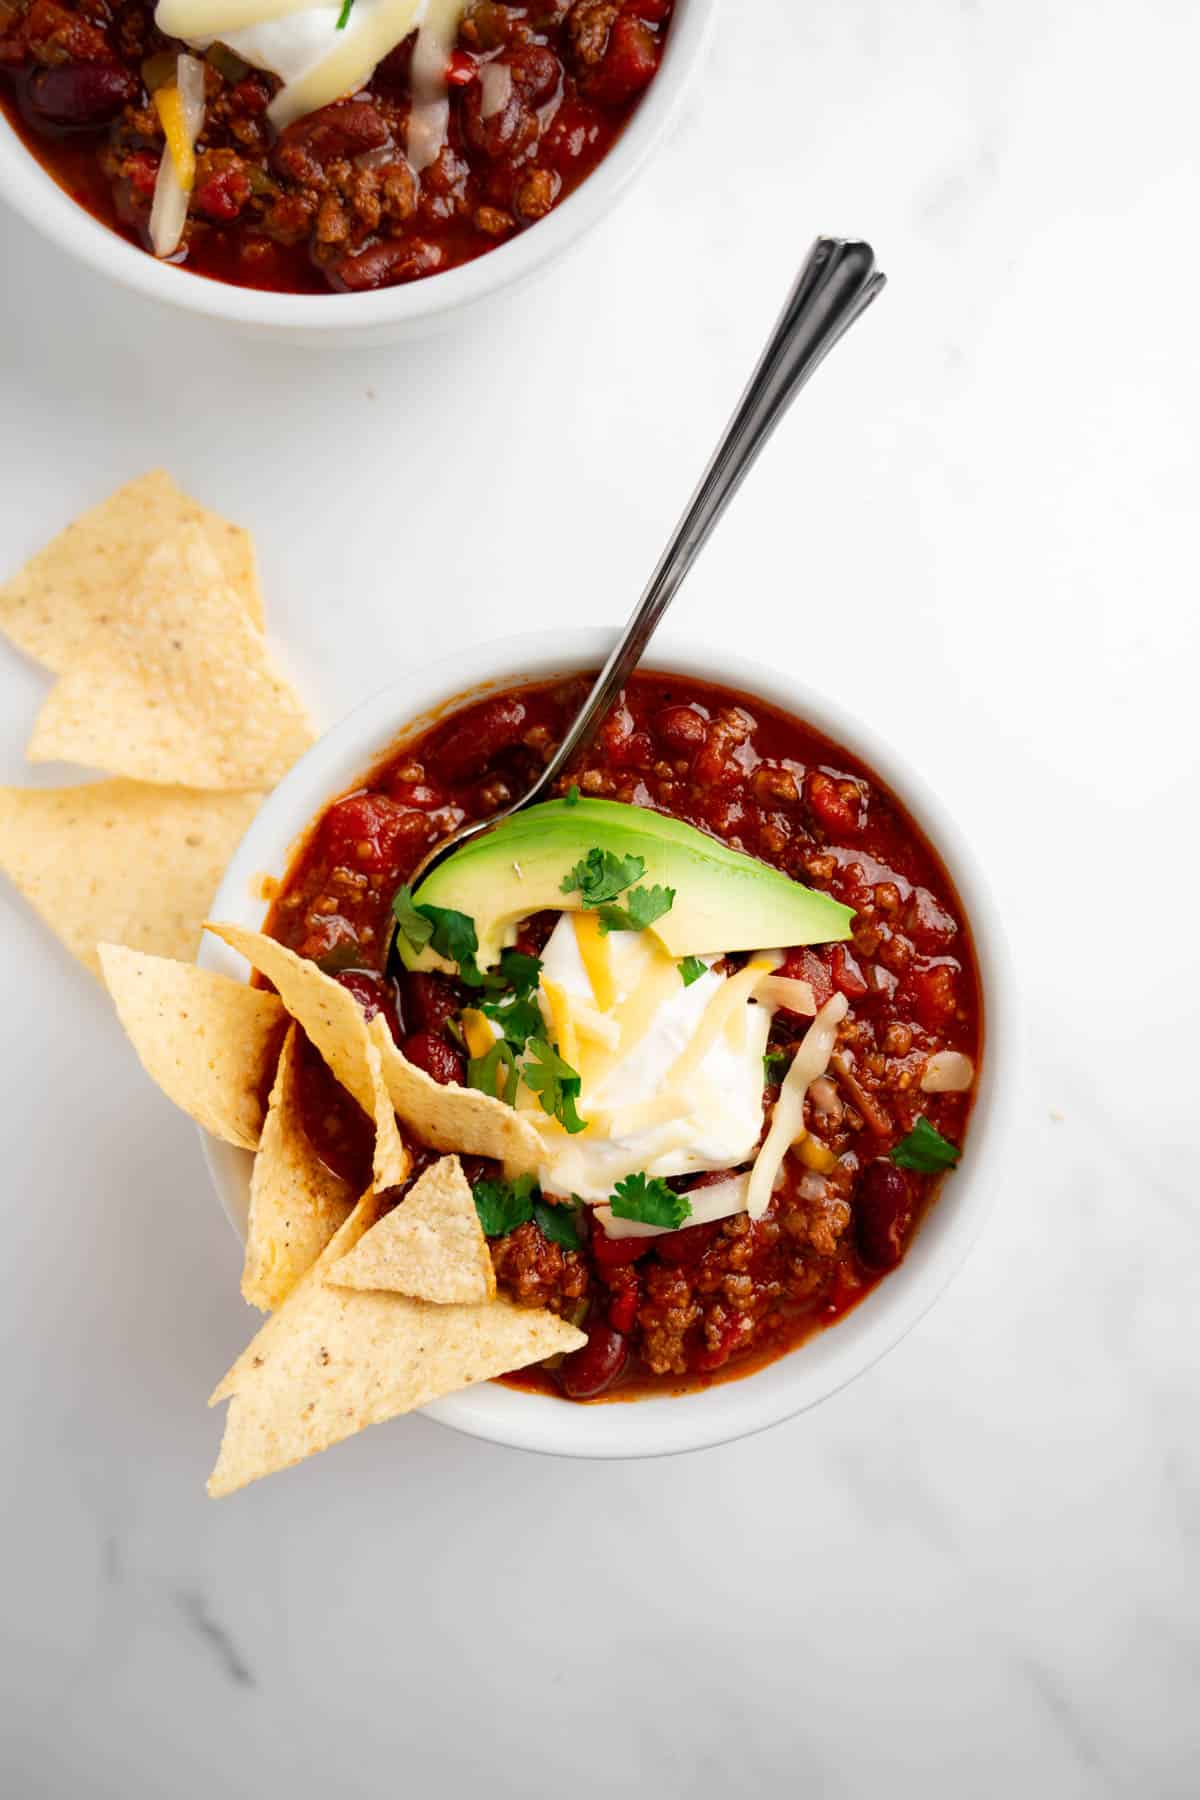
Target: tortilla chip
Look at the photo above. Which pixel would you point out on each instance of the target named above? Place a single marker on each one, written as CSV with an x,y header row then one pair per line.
x,y
333,1360
430,1247
296,1203
178,688
121,862
333,1022
207,1041
70,592
456,1118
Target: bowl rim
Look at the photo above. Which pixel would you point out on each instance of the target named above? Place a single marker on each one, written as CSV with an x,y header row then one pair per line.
x,y
67,223
672,1423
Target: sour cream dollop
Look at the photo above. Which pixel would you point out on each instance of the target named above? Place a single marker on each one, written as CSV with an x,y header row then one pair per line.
x,y
713,1121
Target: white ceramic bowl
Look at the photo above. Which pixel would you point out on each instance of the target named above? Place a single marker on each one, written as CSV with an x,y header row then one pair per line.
x,y
342,319
653,1427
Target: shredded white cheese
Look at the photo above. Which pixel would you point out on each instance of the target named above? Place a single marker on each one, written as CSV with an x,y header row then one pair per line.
x,y
787,1124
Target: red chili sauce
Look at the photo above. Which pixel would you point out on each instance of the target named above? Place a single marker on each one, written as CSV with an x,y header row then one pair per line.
x,y
331,201
683,1309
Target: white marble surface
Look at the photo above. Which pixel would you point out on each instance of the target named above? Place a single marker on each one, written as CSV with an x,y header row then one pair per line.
x,y
975,1572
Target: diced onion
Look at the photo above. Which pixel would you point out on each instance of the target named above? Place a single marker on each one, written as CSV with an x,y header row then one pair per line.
x,y
786,991
172,189
495,89
948,1072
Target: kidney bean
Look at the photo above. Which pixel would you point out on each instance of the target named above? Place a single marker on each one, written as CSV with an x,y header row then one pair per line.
x,y
882,1214
436,1057
680,728
629,62
374,993
346,128
492,728
587,1371
387,264
80,96
429,1000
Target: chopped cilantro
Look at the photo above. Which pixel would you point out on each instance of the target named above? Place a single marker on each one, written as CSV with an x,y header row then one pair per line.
x,y
344,16
558,1223
645,905
341,958
776,1064
572,794
925,1150
519,1020
450,933
483,1072
517,971
651,1202
454,938
412,925
691,969
554,1081
602,876
503,1205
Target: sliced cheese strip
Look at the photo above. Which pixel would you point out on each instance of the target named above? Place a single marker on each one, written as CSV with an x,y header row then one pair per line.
x,y
595,953
787,1123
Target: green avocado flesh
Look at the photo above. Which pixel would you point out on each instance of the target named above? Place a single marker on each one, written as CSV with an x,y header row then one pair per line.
x,y
723,900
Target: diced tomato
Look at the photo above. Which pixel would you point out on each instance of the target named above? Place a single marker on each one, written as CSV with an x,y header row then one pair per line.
x,y
364,831
623,1300
934,993
813,966
848,978
461,70
610,1253
686,1247
223,195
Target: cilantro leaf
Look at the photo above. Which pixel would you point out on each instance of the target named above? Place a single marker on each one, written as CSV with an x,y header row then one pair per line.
x,y
412,925
518,1019
558,1223
450,933
651,1202
503,1205
554,1081
776,1064
602,876
571,796
519,972
925,1150
483,1072
645,905
691,969
454,938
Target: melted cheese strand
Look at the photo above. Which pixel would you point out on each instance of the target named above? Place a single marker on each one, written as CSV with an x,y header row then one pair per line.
x,y
787,1126
595,953
429,116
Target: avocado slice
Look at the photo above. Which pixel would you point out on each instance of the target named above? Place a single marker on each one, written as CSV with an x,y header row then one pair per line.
x,y
724,900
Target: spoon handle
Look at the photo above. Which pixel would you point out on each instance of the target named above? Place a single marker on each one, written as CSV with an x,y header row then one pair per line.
x,y
836,284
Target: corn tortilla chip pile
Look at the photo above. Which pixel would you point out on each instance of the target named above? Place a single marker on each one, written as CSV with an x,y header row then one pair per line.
x,y
376,1308
148,610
